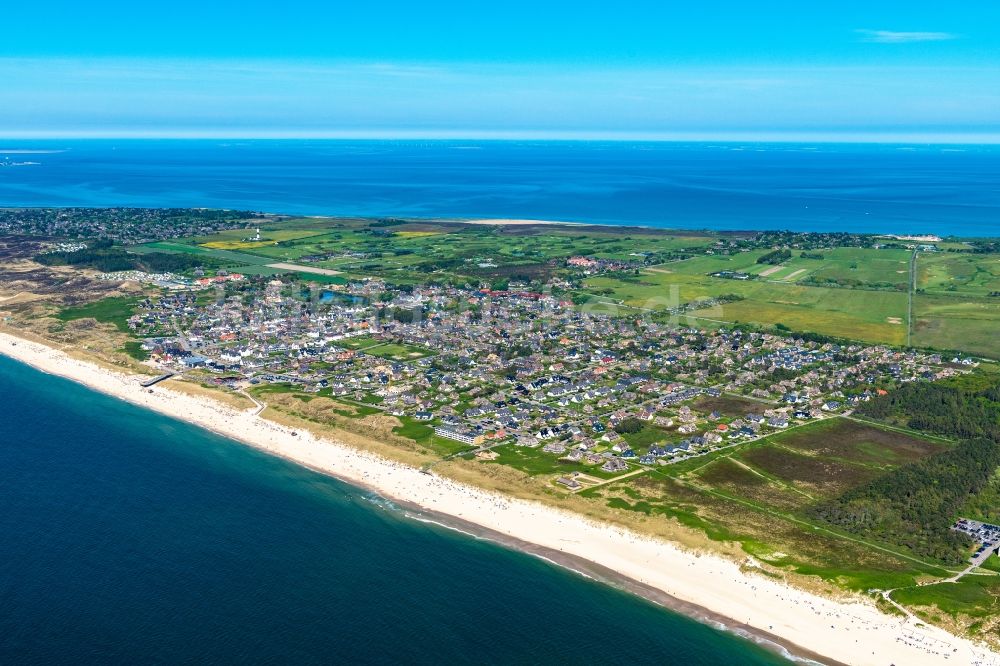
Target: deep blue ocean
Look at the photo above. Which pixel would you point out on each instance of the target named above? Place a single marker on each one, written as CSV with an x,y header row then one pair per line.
x,y
947,190
131,538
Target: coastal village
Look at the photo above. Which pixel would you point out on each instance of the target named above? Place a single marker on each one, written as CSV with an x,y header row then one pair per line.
x,y
491,368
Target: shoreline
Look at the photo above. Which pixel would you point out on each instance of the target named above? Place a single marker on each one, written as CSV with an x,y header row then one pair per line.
x,y
677,227
706,587
511,222
521,222
594,571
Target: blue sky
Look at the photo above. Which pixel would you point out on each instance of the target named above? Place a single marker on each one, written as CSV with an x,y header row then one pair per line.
x,y
655,69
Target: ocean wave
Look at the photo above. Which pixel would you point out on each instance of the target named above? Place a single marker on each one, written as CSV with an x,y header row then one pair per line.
x,y
381,502
749,635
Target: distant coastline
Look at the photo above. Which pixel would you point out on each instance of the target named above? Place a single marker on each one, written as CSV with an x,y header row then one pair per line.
x,y
749,186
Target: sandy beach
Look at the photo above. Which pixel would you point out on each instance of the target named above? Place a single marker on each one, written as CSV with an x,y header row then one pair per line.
x,y
850,632
514,223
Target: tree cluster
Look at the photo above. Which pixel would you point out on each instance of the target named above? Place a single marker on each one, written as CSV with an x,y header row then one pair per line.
x,y
774,258
916,504
109,259
945,410
629,425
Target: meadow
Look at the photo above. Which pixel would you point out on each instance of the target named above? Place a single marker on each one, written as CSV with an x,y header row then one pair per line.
x,y
876,268
871,316
961,323
757,495
947,273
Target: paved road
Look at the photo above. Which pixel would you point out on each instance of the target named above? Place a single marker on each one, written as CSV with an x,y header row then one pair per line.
x,y
260,405
909,296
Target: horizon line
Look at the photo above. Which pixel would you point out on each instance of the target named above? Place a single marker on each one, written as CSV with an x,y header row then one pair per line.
x,y
792,136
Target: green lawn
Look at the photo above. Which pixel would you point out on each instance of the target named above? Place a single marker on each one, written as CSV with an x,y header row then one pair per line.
x,y
359,342
870,316
649,435
399,352
418,431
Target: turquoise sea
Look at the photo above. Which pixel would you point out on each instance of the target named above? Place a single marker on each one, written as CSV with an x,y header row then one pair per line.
x,y
885,188
130,538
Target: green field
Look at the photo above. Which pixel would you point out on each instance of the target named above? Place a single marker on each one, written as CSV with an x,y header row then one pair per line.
x,y
967,323
359,342
389,350
112,310
873,316
398,352
849,266
649,435
959,274
845,313
868,267
239,239
415,430
853,293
